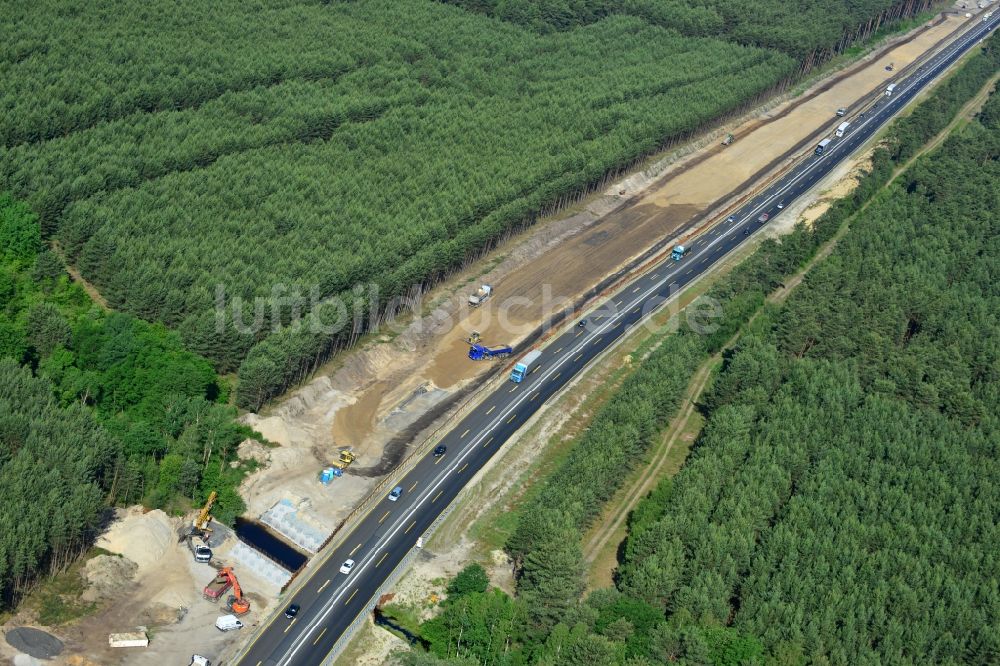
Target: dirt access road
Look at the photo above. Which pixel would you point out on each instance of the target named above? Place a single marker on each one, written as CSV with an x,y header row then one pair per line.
x,y
377,397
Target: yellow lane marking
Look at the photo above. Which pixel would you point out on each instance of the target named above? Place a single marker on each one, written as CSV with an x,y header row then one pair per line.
x,y
558,350
598,339
463,467
636,311
383,517
537,368
636,289
557,376
413,486
355,549
464,433
512,417
619,301
323,586
513,388
490,411
440,492
535,396
440,458
351,597
381,558
579,333
320,636
290,625
487,442
410,527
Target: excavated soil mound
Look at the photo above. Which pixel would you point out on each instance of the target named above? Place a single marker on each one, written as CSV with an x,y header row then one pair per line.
x,y
106,574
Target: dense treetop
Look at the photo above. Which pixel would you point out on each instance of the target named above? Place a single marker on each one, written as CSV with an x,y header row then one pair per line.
x,y
181,151
96,409
842,503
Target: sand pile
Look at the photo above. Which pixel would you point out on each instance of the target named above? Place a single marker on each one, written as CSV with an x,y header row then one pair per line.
x,y
141,537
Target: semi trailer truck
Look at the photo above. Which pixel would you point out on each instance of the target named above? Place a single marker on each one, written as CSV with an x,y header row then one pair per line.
x,y
524,366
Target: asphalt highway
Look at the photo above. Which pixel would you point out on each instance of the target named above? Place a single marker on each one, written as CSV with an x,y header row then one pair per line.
x,y
330,601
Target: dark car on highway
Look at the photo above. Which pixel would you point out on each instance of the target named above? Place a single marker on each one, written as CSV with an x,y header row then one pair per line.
x,y
439,451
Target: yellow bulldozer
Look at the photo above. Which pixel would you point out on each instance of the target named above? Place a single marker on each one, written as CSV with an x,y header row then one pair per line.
x,y
345,459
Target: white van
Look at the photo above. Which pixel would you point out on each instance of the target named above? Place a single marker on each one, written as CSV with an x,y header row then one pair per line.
x,y
228,623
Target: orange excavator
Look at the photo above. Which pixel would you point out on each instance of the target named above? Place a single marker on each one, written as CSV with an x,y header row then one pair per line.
x,y
222,582
237,603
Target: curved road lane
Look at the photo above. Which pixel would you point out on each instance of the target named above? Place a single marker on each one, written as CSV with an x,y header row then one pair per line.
x,y
330,601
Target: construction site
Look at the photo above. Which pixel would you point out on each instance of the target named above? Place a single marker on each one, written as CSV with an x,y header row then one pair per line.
x,y
160,585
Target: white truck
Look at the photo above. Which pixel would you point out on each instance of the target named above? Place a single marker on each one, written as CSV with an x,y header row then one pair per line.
x,y
200,549
228,623
198,660
481,296
889,89
841,129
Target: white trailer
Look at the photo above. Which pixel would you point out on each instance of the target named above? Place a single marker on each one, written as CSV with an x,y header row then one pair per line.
x,y
889,89
842,128
127,640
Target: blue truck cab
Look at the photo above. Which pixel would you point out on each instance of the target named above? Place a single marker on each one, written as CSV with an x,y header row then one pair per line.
x,y
523,367
678,253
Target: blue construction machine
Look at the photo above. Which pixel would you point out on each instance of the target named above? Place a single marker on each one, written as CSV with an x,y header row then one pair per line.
x,y
479,352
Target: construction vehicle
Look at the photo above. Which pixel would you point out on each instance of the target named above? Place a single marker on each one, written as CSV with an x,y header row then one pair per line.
x,y
197,537
200,524
478,352
729,139
345,459
523,367
219,585
237,603
474,338
200,549
678,253
225,580
481,296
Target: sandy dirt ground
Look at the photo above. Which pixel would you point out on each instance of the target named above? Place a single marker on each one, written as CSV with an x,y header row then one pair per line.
x,y
154,583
